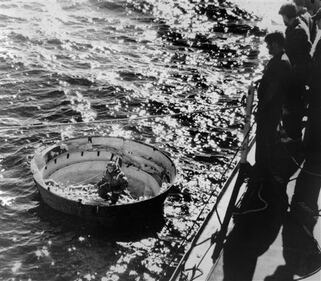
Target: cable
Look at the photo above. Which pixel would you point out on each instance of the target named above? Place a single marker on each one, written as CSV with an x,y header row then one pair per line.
x,y
109,121
127,120
258,209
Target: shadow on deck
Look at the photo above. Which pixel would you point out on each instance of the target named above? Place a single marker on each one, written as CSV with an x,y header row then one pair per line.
x,y
270,240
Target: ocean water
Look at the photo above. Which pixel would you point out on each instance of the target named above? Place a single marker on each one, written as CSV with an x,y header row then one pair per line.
x,y
175,72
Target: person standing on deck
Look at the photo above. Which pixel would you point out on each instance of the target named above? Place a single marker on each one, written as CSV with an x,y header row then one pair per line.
x,y
297,48
305,209
306,17
273,88
301,251
313,129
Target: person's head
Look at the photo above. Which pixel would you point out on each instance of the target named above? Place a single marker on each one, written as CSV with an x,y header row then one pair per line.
x,y
275,42
313,5
317,18
111,166
289,13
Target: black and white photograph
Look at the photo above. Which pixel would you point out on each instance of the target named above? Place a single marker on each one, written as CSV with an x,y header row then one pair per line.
x,y
160,140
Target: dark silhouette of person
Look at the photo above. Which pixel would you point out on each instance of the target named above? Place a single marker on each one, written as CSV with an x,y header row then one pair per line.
x,y
300,250
297,47
263,208
306,17
262,218
273,88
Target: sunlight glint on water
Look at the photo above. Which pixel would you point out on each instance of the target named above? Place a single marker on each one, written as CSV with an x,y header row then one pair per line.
x,y
71,62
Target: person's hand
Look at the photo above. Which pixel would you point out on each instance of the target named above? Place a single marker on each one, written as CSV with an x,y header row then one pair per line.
x,y
256,82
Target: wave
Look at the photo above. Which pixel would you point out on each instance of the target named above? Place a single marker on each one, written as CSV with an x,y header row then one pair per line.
x,y
189,24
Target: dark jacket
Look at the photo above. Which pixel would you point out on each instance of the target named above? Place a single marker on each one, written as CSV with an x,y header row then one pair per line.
x,y
298,45
305,16
274,86
114,182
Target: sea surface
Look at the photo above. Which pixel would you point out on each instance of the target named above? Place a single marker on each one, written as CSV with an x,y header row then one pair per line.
x,y
174,72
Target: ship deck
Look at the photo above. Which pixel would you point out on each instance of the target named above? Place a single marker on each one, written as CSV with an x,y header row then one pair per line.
x,y
261,248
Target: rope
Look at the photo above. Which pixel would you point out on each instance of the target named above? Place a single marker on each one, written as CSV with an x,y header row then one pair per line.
x,y
245,212
260,190
109,121
127,120
251,211
292,179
